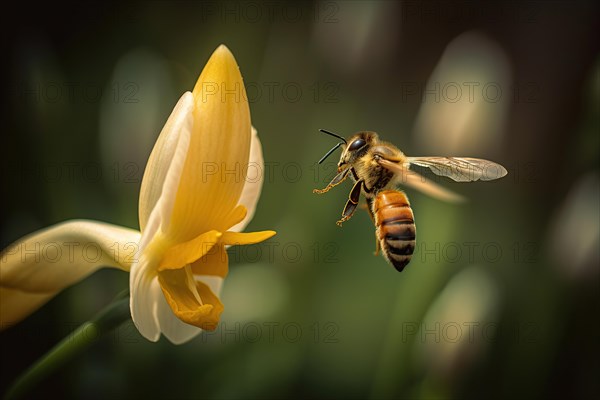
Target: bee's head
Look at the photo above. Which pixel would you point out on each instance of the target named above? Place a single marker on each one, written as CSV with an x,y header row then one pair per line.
x,y
356,146
353,148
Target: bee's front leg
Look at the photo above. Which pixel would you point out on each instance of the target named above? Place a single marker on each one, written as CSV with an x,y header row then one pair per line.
x,y
339,178
352,203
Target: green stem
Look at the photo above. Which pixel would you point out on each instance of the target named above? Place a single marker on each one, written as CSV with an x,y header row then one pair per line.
x,y
105,321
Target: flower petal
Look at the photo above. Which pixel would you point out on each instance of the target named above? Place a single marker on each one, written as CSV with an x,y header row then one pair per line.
x,y
211,182
177,331
182,254
214,263
38,266
145,295
170,148
236,215
214,283
192,301
253,183
173,328
237,238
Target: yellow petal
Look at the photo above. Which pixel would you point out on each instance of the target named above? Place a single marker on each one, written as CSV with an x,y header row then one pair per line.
x,y
182,254
236,216
169,152
174,329
212,178
171,326
215,262
237,238
192,302
40,265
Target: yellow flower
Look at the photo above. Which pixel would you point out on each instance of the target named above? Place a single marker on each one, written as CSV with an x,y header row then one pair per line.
x,y
194,200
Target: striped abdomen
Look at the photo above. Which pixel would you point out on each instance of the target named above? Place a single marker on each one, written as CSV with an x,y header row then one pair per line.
x,y
395,225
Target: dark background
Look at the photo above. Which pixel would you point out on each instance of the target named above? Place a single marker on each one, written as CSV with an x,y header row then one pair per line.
x,y
499,298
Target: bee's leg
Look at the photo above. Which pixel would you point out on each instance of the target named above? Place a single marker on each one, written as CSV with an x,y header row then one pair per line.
x,y
352,203
339,178
377,247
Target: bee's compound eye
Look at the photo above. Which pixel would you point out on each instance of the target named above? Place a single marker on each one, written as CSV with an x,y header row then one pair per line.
x,y
357,144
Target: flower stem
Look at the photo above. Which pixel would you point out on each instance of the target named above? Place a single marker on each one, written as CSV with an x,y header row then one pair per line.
x,y
106,320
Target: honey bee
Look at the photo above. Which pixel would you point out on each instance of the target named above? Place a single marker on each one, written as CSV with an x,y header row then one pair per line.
x,y
378,168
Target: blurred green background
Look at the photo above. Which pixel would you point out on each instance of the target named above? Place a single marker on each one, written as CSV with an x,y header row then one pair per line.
x,y
499,298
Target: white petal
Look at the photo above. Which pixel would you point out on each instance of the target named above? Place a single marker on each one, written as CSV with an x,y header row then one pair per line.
x,y
53,258
145,296
168,148
37,267
167,167
254,182
160,179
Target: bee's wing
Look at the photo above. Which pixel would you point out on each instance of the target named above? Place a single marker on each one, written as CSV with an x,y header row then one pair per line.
x,y
411,179
461,169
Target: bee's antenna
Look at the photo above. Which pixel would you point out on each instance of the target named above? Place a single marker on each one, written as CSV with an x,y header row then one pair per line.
x,y
334,147
329,152
334,135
